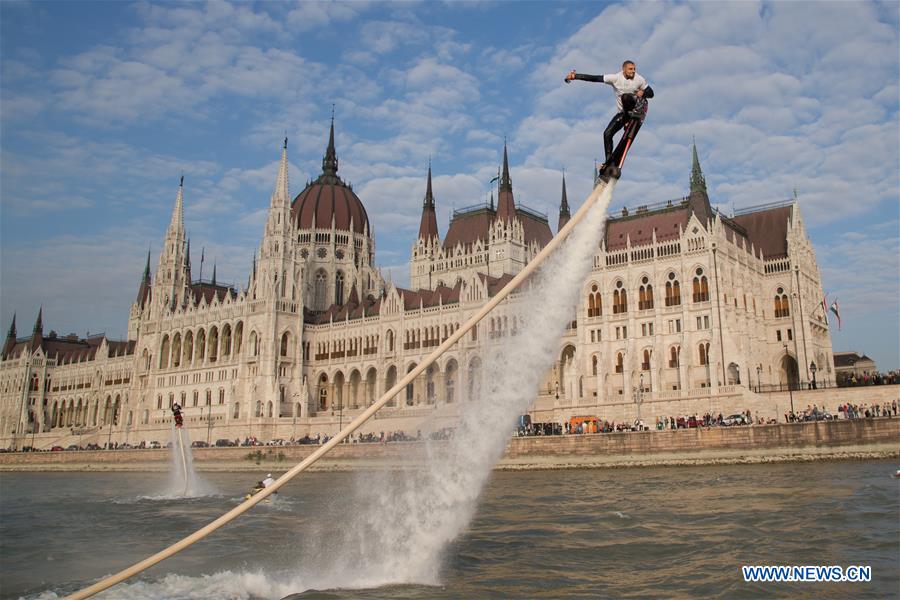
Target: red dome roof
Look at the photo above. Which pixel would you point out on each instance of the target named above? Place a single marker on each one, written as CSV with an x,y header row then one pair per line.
x,y
328,197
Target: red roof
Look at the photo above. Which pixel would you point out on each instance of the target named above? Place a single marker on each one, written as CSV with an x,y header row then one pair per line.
x,y
767,229
314,207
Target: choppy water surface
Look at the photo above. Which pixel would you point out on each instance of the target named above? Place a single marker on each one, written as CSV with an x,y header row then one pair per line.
x,y
672,532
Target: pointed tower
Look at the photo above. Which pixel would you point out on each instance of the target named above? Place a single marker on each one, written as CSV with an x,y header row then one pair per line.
x,y
172,283
330,160
698,182
37,335
506,205
274,250
564,214
144,289
427,245
10,338
698,198
428,225
214,275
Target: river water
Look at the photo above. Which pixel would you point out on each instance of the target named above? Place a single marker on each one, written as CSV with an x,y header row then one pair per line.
x,y
673,532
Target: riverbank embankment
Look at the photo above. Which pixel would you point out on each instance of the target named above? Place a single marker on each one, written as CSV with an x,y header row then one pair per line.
x,y
794,442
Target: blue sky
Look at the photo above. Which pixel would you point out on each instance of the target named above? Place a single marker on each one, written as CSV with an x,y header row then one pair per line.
x,y
103,105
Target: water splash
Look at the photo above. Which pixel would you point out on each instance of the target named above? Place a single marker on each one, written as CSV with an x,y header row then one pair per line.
x,y
183,479
400,523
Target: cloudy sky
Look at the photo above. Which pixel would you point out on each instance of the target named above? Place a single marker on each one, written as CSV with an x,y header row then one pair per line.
x,y
104,105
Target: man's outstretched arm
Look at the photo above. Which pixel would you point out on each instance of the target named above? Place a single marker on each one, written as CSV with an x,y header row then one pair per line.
x,y
583,77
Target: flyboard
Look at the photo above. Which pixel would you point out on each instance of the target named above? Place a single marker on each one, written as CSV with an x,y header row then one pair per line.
x,y
636,109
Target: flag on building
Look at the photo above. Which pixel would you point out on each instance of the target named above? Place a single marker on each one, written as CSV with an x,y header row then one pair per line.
x,y
824,305
837,312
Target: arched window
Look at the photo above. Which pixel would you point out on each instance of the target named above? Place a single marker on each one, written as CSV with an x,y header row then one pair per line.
x,y
389,340
645,295
319,292
594,365
704,353
237,410
339,288
701,287
673,291
213,344
674,355
620,362
285,342
595,302
221,396
164,353
645,366
620,299
782,308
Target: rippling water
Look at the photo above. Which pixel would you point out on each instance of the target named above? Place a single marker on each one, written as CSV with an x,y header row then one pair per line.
x,y
665,532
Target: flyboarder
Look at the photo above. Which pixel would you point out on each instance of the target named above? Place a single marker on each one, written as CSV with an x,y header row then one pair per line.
x,y
632,92
176,412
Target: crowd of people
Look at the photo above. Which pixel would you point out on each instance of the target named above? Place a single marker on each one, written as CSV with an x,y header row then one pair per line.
x,y
867,378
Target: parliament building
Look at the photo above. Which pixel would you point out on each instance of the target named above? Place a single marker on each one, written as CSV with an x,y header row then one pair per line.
x,y
685,310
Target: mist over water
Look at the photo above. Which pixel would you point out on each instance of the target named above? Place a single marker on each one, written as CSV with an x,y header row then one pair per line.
x,y
183,479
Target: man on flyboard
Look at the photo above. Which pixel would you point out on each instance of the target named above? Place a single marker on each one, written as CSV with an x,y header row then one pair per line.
x,y
176,412
632,92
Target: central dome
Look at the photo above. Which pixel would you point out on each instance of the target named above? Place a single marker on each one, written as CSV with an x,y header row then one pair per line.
x,y
329,198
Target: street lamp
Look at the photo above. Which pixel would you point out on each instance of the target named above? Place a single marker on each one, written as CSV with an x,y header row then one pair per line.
x,y
640,395
790,389
294,396
33,428
813,369
758,378
208,419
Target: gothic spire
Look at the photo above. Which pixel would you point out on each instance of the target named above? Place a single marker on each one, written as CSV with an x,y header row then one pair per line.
x,y
144,288
178,212
10,338
281,183
564,214
330,161
39,322
506,205
214,274
505,181
428,225
698,182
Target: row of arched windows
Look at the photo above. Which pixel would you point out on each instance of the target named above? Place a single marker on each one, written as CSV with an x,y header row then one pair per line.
x,y
646,300
201,347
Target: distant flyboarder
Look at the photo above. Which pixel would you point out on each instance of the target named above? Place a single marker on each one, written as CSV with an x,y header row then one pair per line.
x,y
176,412
632,92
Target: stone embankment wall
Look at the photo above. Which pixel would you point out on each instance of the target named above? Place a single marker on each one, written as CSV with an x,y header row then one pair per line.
x,y
861,438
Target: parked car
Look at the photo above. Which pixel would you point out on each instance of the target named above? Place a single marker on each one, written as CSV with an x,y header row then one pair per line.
x,y
73,447
57,449
199,444
738,419
92,447
154,444
224,443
